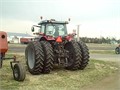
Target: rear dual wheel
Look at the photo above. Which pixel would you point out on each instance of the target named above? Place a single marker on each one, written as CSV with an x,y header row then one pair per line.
x,y
85,54
74,59
39,57
78,55
34,57
48,57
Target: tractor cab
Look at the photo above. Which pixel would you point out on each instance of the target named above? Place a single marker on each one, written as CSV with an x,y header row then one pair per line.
x,y
52,28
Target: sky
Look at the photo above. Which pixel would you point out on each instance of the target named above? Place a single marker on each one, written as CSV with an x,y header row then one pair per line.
x,y
97,18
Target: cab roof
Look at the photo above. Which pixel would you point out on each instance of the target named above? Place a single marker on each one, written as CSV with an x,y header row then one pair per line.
x,y
52,21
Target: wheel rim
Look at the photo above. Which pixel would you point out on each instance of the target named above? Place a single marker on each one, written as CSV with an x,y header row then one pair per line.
x,y
16,73
31,58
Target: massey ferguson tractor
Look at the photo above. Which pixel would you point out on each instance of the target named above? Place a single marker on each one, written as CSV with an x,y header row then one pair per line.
x,y
54,46
18,69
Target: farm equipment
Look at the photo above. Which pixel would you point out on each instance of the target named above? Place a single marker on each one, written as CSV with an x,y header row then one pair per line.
x,y
55,46
26,40
117,50
16,66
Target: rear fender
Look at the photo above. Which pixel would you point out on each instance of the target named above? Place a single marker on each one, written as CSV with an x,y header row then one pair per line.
x,y
70,37
46,38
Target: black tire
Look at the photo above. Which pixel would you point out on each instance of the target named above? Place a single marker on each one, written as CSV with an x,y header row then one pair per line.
x,y
19,72
35,57
26,50
74,59
49,57
117,50
1,61
85,54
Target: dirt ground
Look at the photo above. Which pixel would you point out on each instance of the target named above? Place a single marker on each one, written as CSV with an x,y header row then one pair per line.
x,y
109,83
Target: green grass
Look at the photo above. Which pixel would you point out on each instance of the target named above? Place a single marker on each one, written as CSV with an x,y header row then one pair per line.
x,y
59,78
102,48
103,51
16,45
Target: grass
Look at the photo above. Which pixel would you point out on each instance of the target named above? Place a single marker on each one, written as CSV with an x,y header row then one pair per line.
x,y
94,45
102,51
102,48
16,45
59,78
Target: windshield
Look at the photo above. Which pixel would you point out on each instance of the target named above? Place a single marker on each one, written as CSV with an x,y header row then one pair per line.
x,y
56,29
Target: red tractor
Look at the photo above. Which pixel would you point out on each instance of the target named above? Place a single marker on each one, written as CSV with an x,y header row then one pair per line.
x,y
18,69
55,46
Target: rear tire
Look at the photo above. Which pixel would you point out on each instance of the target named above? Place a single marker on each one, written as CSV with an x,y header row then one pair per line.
x,y
85,54
74,59
19,72
49,57
35,57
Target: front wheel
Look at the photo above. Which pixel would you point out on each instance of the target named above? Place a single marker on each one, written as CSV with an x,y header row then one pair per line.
x,y
19,72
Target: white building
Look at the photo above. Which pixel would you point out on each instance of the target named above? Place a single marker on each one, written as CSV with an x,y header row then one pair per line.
x,y
15,37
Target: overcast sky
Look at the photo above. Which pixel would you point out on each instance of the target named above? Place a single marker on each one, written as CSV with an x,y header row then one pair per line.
x,y
96,17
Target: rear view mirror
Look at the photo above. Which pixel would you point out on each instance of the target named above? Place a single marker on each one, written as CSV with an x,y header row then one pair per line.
x,y
32,29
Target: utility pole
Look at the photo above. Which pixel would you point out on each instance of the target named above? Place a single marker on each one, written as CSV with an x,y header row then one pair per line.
x,y
78,38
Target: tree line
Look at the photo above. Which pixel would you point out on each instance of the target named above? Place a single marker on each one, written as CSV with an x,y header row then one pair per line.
x,y
101,40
